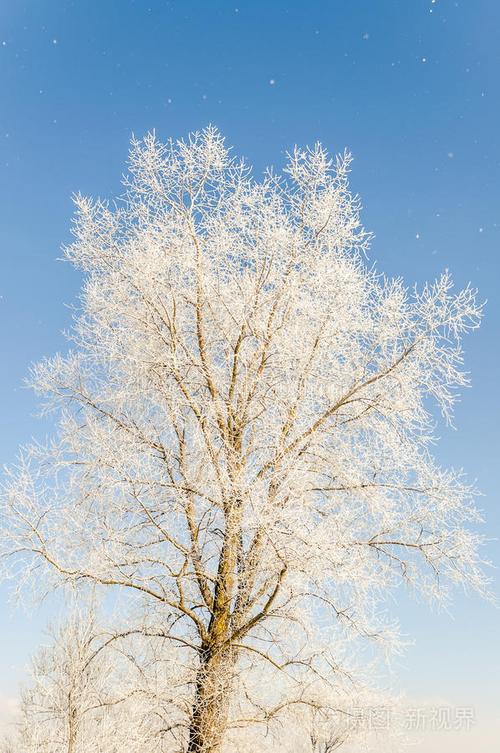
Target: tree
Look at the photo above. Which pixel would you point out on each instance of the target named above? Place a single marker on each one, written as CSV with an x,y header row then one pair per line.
x,y
244,428
92,688
64,706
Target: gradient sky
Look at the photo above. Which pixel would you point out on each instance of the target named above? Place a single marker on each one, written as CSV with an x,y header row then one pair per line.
x,y
411,87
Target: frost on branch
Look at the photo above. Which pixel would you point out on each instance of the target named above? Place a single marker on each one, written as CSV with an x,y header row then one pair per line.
x,y
244,430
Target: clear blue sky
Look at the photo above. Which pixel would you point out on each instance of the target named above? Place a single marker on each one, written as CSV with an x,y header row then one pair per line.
x,y
411,87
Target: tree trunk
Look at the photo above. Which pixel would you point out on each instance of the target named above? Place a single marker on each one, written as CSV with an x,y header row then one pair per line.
x,y
211,703
72,719
218,656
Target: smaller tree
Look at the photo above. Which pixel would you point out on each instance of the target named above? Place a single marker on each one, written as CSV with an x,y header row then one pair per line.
x,y
64,706
324,738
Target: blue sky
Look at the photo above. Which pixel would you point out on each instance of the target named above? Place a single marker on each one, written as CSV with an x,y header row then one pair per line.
x,y
410,87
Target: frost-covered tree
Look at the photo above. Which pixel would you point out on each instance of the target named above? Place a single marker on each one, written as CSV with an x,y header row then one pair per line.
x,y
66,701
91,688
244,429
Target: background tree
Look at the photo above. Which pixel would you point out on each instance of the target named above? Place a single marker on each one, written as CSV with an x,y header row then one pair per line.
x,y
92,688
244,428
72,687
